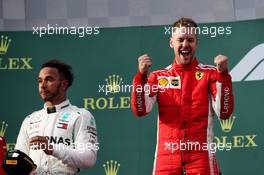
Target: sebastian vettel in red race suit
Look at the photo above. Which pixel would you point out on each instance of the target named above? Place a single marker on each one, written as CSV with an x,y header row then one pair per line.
x,y
188,94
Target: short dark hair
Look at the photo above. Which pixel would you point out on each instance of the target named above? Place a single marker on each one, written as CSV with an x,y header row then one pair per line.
x,y
185,22
64,69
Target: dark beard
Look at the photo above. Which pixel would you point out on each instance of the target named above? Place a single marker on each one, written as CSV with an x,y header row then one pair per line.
x,y
53,95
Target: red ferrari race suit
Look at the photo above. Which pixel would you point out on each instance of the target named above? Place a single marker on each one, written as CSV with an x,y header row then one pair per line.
x,y
2,152
185,95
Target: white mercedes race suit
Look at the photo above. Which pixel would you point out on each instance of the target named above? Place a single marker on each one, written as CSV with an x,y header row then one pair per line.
x,y
71,131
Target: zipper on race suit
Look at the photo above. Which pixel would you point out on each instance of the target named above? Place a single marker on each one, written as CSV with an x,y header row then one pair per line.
x,y
182,151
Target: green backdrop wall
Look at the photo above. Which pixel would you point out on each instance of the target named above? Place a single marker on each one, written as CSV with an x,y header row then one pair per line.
x,y
123,138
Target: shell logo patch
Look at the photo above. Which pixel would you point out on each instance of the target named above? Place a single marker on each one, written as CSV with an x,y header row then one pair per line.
x,y
163,81
199,75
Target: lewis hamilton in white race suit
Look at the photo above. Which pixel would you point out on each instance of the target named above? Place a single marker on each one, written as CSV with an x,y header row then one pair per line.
x,y
60,138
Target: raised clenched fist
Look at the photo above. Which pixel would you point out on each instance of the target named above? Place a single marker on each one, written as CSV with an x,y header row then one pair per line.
x,y
221,63
144,63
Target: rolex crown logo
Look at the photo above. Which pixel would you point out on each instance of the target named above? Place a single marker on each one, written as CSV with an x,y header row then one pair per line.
x,y
4,44
113,83
111,167
227,124
3,129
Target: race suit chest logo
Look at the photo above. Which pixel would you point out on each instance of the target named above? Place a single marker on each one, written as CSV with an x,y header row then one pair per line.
x,y
169,82
34,126
175,82
58,140
199,75
63,121
163,81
